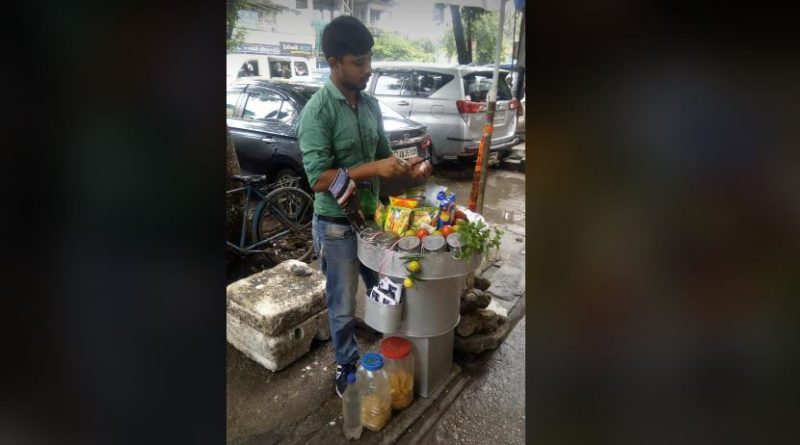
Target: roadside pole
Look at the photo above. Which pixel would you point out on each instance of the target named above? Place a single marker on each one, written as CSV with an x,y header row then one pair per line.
x,y
484,149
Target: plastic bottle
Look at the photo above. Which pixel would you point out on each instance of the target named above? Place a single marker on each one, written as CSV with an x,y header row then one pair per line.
x,y
376,396
351,409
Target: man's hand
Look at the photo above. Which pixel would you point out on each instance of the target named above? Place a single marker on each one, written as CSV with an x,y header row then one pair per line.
x,y
419,170
391,167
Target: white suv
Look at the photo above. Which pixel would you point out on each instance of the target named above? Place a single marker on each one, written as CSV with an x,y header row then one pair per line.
x,y
451,101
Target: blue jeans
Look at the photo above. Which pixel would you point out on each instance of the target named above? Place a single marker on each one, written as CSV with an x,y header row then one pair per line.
x,y
335,245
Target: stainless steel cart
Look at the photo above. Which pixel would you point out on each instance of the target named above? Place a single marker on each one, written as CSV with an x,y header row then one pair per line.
x,y
430,309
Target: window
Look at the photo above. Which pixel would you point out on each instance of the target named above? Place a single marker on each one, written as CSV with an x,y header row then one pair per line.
x,y
280,69
262,106
230,106
438,13
300,69
268,17
394,84
477,86
287,112
247,17
427,83
249,69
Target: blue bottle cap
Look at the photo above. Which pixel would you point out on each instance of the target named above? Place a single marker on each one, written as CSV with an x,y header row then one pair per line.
x,y
372,361
351,378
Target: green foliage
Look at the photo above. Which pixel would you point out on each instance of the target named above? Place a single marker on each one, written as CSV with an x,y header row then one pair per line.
x,y
481,27
391,46
477,238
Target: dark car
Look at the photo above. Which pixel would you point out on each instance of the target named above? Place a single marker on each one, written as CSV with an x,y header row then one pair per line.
x,y
262,116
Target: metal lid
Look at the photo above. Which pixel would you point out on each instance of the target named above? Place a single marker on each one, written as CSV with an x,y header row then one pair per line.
x,y
386,239
454,240
409,244
433,243
372,361
369,234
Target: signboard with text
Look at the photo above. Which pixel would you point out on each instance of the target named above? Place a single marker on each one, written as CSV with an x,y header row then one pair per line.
x,y
255,48
284,49
296,49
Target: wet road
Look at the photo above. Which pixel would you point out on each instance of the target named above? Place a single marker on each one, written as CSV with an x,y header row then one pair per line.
x,y
504,198
491,409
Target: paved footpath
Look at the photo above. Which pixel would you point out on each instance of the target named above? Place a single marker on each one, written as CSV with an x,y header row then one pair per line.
x,y
484,396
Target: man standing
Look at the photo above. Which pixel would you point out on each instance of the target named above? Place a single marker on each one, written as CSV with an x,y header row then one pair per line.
x,y
341,132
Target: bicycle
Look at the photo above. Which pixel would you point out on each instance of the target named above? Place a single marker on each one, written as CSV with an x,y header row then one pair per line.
x,y
281,223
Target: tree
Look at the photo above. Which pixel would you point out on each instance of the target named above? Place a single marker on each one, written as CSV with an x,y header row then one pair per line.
x,y
391,46
480,29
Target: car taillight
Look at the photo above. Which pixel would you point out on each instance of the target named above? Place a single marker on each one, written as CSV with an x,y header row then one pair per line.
x,y
466,106
427,142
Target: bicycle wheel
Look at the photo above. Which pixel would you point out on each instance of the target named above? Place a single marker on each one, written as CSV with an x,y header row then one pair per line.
x,y
288,242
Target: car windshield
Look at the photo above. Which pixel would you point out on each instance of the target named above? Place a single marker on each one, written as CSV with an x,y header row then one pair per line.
x,y
388,111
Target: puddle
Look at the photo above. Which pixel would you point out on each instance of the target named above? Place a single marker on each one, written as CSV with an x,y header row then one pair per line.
x,y
504,199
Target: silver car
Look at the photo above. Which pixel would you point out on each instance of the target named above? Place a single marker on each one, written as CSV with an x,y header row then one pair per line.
x,y
451,101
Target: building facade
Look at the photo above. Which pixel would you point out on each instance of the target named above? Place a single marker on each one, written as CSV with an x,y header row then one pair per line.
x,y
296,30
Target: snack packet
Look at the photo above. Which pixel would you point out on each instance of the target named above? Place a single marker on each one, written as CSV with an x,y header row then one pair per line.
x,y
424,215
397,219
409,203
380,215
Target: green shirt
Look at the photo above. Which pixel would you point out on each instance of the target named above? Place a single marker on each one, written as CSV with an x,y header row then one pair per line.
x,y
333,135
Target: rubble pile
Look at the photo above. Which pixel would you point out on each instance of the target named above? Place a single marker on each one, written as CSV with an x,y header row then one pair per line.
x,y
478,328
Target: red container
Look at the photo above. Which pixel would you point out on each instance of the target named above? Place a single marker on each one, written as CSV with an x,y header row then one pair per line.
x,y
399,365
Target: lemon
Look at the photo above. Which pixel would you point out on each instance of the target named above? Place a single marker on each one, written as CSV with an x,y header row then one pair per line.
x,y
413,266
408,282
410,232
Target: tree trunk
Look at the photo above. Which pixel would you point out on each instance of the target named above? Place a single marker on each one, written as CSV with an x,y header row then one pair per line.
x,y
458,33
233,203
470,17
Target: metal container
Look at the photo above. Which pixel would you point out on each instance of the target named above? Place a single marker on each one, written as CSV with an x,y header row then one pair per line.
x,y
383,317
386,239
454,242
433,244
369,234
409,244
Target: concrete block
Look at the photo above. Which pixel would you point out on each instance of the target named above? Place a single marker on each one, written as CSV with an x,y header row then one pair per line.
x,y
276,352
273,315
276,300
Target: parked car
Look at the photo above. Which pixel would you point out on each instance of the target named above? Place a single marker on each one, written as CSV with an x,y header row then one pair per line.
x,y
262,116
451,101
240,66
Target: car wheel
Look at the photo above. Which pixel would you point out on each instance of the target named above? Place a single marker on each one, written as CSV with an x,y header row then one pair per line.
x,y
284,174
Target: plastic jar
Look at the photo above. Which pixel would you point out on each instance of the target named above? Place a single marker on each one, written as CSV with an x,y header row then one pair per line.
x,y
376,398
399,364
